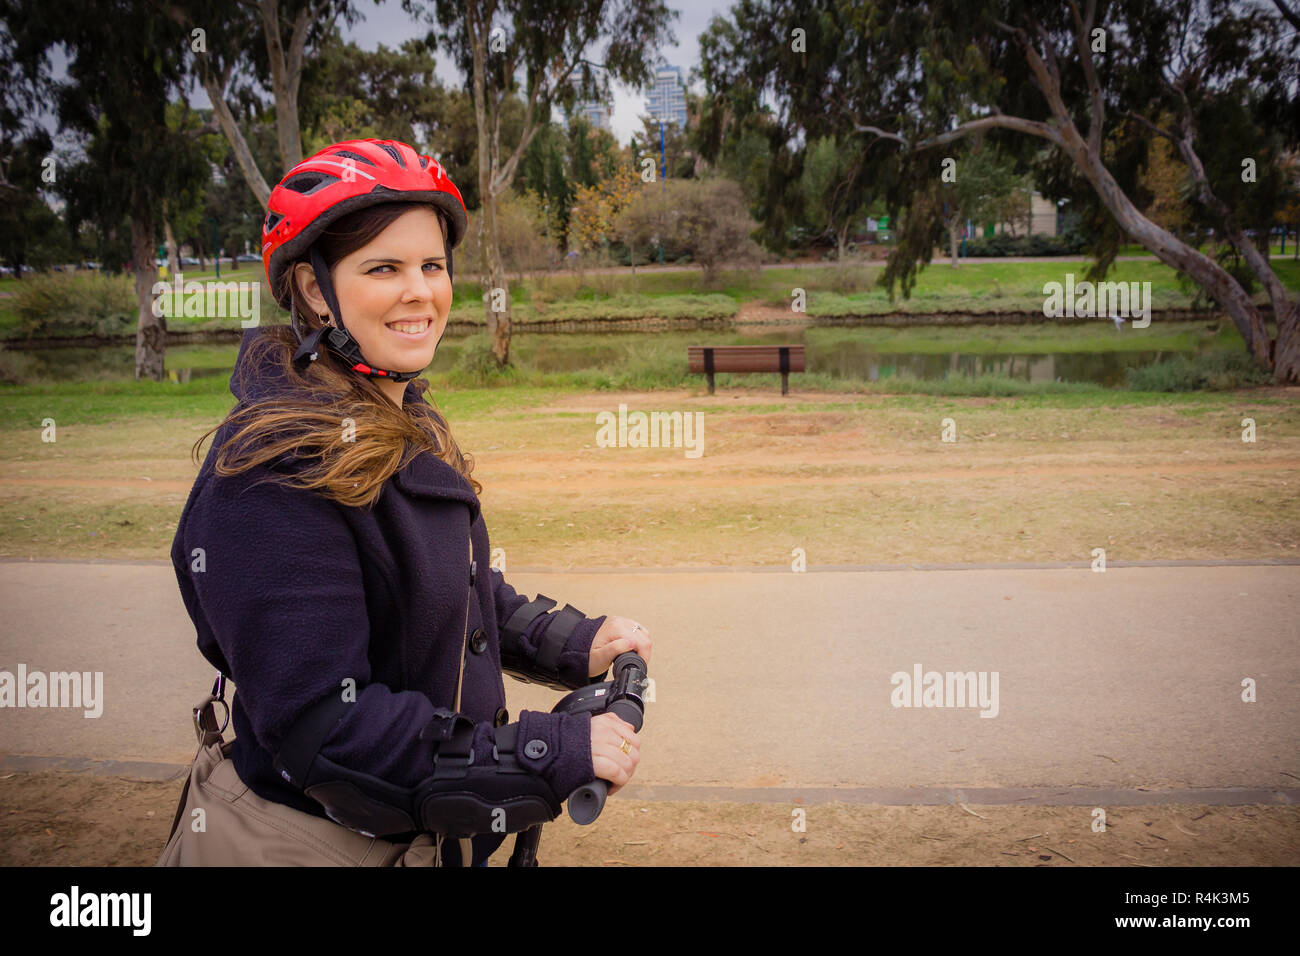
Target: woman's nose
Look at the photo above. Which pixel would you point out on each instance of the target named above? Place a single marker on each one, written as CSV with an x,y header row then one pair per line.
x,y
418,287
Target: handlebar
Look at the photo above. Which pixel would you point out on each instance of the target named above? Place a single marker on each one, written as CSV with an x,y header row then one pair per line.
x,y
623,696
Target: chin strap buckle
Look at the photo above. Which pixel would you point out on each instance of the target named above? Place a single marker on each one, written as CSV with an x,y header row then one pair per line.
x,y
310,348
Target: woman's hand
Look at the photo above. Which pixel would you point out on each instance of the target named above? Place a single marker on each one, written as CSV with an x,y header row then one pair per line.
x,y
610,763
617,635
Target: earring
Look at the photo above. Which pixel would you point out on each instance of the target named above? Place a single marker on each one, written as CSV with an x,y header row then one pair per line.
x,y
325,319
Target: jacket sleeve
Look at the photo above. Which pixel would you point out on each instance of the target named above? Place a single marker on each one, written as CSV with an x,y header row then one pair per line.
x,y
281,593
574,659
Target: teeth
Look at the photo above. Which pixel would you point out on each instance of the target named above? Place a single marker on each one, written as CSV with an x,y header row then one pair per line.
x,y
413,327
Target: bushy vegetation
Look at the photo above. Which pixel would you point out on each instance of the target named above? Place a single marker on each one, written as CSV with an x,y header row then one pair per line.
x,y
1004,245
477,367
1210,371
57,305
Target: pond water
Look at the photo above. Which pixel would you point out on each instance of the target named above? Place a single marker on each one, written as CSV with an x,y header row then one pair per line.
x,y
1103,368
839,357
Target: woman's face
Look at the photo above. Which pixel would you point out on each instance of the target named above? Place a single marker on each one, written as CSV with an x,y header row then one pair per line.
x,y
395,295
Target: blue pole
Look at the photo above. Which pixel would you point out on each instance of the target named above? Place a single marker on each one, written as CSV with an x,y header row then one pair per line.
x,y
663,175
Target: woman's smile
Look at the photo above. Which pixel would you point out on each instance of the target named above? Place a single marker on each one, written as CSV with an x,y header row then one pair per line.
x,y
413,329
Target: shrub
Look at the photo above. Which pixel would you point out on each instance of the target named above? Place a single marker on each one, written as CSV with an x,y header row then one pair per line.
x,y
1210,371
1005,245
478,367
58,305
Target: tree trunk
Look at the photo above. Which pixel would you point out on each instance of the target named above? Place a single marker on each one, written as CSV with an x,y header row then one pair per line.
x,y
1286,355
151,331
1283,351
952,241
173,257
284,79
498,323
1203,270
235,137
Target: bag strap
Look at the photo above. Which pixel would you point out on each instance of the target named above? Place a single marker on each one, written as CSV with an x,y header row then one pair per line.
x,y
466,845
208,732
205,716
460,674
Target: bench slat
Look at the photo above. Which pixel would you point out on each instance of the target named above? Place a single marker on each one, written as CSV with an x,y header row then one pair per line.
x,y
746,358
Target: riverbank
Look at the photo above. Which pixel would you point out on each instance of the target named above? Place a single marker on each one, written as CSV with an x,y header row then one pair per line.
x,y
989,292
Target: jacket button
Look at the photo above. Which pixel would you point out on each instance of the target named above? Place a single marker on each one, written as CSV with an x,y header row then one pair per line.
x,y
502,717
535,748
478,641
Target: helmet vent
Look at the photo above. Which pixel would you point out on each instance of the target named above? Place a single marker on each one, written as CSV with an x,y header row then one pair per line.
x,y
357,156
397,157
424,162
272,220
308,182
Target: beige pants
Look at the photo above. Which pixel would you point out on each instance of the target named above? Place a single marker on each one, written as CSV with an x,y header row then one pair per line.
x,y
224,823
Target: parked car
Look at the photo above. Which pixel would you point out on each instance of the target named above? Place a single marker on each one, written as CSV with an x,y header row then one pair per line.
x,y
247,257
189,261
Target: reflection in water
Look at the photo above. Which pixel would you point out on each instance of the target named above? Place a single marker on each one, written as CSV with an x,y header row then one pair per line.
x,y
1103,368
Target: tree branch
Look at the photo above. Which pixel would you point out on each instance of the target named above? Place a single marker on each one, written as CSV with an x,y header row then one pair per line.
x,y
1152,126
243,155
1258,264
1083,28
998,121
1291,16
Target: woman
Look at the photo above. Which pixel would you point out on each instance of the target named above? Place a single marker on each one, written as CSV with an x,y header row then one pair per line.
x,y
325,549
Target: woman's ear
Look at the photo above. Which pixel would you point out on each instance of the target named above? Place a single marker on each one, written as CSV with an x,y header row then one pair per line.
x,y
305,279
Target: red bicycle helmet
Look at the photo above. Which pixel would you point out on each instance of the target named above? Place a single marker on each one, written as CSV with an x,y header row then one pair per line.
x,y
338,180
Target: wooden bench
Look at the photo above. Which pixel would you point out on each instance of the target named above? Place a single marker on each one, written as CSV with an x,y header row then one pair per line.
x,y
747,358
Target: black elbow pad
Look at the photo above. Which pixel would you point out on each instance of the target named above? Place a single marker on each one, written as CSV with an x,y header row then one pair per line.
x,y
467,794
544,668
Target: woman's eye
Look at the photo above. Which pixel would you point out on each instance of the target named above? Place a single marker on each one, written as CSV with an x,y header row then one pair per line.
x,y
436,265
377,268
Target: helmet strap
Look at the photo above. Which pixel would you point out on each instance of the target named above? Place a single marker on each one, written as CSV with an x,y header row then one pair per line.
x,y
337,337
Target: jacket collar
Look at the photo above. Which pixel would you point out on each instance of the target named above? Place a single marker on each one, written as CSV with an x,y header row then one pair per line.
x,y
426,475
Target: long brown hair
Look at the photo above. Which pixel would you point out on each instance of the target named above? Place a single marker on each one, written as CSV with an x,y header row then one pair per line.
x,y
349,466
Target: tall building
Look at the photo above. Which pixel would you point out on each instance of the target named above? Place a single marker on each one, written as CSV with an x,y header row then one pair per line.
x,y
667,100
597,114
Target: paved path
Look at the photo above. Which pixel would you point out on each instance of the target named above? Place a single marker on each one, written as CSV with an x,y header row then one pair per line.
x,y
771,682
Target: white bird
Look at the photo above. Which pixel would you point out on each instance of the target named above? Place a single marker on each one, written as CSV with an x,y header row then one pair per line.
x,y
1119,322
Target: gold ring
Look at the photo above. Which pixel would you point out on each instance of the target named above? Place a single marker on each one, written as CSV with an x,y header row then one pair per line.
x,y
627,746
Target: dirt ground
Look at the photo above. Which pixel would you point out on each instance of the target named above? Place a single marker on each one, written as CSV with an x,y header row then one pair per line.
x,y
79,819
852,480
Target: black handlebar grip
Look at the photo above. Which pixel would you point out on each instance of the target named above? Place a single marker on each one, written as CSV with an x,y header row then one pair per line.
x,y
587,801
